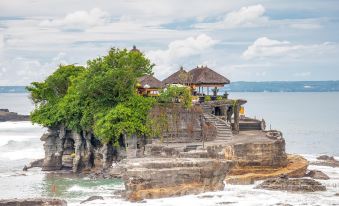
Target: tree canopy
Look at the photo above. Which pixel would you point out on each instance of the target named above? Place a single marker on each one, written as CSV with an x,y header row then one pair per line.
x,y
99,97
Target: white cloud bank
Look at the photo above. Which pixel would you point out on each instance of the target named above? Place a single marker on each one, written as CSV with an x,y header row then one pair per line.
x,y
179,49
248,16
28,70
79,20
264,47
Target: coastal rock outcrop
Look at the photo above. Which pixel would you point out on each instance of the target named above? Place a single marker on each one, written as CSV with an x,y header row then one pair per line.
x,y
92,198
166,177
35,163
316,174
33,202
6,115
292,185
325,160
257,149
296,168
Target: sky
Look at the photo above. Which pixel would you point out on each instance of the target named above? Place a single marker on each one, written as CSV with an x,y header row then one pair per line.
x,y
243,40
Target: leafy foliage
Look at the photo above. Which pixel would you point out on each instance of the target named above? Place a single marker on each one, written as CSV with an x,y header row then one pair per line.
x,y
126,118
174,94
47,94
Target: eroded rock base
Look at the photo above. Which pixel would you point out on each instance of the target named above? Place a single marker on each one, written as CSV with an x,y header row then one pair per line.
x,y
296,167
165,177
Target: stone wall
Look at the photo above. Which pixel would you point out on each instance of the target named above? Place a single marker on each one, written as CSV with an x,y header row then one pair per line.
x,y
180,125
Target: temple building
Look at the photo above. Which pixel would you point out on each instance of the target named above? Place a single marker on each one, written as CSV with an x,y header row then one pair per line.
x,y
148,85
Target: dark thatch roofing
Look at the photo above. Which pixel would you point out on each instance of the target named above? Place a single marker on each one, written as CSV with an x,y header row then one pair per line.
x,y
205,75
150,80
179,77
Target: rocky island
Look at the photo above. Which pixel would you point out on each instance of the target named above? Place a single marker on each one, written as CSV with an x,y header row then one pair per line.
x,y
6,115
163,138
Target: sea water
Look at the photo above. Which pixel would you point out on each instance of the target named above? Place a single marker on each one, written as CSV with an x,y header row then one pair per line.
x,y
308,120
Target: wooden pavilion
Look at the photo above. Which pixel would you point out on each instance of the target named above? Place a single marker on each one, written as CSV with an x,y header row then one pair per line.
x,y
198,79
204,77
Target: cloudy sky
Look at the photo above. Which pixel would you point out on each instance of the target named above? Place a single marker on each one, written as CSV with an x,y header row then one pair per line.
x,y
243,40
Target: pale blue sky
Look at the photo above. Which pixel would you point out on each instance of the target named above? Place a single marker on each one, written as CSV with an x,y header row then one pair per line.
x,y
243,40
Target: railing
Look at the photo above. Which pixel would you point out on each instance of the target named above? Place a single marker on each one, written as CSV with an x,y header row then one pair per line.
x,y
208,98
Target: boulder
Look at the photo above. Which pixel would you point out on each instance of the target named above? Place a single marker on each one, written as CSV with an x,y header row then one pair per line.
x,y
316,174
33,202
92,198
292,185
166,177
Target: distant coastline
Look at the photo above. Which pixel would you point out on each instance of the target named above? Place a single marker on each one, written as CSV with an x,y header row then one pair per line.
x,y
242,86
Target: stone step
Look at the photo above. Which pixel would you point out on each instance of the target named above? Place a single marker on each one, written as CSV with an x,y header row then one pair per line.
x,y
224,131
224,135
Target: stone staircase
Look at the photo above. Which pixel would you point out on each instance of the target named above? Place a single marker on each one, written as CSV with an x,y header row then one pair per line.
x,y
224,131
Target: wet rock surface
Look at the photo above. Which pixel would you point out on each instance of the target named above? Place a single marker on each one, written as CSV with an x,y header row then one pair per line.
x,y
35,163
92,198
33,202
316,174
292,185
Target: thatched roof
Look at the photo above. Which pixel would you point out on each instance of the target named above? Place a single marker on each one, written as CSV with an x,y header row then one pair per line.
x,y
151,81
205,75
179,77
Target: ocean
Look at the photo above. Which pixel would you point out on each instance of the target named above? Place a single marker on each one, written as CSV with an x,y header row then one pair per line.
x,y
308,121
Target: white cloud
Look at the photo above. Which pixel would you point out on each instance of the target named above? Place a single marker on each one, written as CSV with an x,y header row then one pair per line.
x,y
79,20
264,47
249,16
28,70
179,49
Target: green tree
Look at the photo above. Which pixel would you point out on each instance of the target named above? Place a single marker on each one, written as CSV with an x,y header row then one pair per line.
x,y
174,94
47,95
